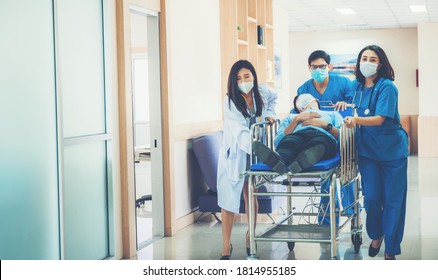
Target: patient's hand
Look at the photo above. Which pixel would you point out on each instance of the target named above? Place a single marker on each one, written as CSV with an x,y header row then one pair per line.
x,y
314,122
307,116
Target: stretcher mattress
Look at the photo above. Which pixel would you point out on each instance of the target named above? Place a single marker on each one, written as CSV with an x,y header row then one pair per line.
x,y
323,165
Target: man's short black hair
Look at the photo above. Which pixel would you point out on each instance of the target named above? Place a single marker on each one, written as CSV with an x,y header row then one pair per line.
x,y
319,54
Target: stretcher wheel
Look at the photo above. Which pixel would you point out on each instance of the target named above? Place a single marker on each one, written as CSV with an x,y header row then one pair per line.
x,y
291,245
357,241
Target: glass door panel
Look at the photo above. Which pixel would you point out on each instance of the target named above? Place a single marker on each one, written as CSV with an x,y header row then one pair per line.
x,y
81,90
29,219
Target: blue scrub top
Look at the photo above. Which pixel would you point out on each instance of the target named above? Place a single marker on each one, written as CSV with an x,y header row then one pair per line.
x,y
338,89
388,141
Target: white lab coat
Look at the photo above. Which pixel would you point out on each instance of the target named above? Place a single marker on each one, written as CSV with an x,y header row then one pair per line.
x,y
235,148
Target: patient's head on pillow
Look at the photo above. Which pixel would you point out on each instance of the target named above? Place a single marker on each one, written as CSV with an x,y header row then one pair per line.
x,y
305,100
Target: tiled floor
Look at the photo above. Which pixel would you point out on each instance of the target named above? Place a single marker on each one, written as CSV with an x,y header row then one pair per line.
x,y
202,241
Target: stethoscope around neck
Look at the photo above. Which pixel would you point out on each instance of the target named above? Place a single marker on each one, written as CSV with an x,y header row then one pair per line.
x,y
367,110
253,112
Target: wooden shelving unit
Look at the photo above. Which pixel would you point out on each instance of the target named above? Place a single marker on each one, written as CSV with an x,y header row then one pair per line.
x,y
240,20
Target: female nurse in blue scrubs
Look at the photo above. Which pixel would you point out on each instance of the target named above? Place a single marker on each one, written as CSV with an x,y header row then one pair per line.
x,y
383,150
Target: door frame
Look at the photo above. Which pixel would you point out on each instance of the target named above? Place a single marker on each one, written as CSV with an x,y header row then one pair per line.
x,y
128,211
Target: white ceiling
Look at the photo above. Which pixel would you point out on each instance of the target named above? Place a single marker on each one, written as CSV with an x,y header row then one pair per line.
x,y
321,15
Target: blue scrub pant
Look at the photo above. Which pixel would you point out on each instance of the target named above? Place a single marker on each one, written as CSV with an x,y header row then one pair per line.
x,y
347,197
384,186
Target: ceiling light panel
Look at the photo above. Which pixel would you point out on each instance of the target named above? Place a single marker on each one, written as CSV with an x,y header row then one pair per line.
x,y
345,11
418,8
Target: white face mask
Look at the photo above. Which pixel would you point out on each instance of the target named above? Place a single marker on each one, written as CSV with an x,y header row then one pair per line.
x,y
368,69
246,87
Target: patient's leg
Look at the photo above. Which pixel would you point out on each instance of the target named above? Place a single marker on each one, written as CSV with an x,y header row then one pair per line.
x,y
307,158
317,147
328,142
269,157
290,146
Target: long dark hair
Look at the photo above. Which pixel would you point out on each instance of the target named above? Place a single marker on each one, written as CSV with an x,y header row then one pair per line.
x,y
385,70
235,94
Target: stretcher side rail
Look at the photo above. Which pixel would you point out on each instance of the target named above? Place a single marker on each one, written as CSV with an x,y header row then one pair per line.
x,y
344,172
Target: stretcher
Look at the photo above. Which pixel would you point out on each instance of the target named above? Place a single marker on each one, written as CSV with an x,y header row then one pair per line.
x,y
341,170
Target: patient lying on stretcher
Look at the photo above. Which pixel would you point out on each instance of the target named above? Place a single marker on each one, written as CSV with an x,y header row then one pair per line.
x,y
302,139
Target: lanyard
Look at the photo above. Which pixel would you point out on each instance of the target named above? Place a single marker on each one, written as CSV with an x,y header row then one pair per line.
x,y
249,108
247,104
367,110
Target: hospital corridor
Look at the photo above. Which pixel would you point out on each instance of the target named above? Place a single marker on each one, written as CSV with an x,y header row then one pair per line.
x,y
127,126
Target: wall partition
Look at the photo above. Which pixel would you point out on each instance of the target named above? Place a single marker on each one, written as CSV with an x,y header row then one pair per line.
x,y
55,172
29,220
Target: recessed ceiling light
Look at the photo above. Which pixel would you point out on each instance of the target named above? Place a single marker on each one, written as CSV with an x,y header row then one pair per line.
x,y
345,11
418,8
356,26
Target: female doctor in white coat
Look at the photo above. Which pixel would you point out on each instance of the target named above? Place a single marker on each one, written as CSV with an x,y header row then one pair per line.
x,y
246,102
383,151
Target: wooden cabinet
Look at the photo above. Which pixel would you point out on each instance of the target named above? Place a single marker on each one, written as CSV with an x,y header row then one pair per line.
x,y
247,33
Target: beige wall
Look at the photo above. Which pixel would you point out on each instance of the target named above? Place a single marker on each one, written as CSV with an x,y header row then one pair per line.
x,y
428,63
428,117
399,44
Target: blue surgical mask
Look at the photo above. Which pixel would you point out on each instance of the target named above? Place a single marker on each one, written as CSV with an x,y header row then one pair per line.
x,y
319,75
246,87
368,69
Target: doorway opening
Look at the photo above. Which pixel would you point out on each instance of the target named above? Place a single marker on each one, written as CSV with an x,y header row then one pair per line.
x,y
146,124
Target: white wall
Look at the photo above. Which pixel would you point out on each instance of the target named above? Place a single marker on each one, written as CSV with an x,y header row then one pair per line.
x,y
193,42
194,74
400,46
281,46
